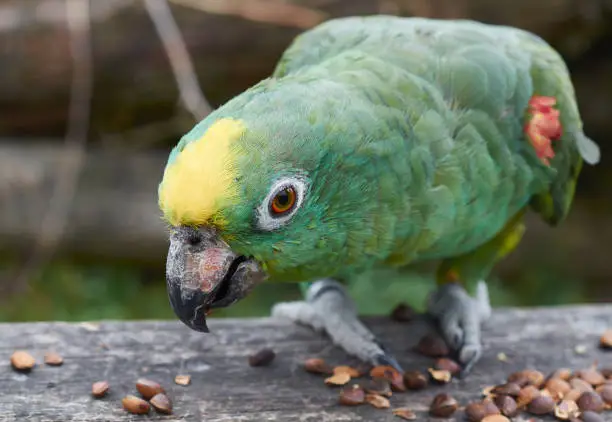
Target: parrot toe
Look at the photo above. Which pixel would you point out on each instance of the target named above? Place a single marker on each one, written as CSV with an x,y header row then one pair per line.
x,y
328,308
459,318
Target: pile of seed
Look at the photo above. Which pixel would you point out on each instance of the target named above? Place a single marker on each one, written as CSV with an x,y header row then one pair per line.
x,y
152,394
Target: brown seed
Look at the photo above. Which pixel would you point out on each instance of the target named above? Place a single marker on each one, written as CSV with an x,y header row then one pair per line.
x,y
526,395
508,389
378,386
527,377
446,364
264,357
580,384
541,405
22,361
495,418
573,395
606,372
182,379
162,403
99,389
403,313
490,407
558,387
518,378
338,379
433,346
476,411
443,406
563,373
566,410
605,392
390,374
605,341
353,373
590,400
135,405
53,359
317,366
442,376
404,413
378,401
415,380
589,416
148,388
507,405
352,396
592,376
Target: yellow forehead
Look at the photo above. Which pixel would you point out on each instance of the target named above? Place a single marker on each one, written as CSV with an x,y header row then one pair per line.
x,y
201,177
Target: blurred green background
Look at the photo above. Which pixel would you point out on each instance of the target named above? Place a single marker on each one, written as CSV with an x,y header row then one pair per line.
x,y
80,234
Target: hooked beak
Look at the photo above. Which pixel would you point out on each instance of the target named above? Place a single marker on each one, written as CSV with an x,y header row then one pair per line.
x,y
202,273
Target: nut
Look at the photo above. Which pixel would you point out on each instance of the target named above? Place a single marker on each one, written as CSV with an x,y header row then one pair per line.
x,y
605,341
22,361
508,389
606,372
506,405
341,378
135,405
443,406
403,313
541,405
317,366
564,373
378,401
391,374
590,400
589,416
378,386
495,418
527,377
592,376
433,346
415,380
99,389
53,359
446,364
353,373
558,387
440,375
264,357
161,403
476,411
404,413
566,410
182,379
573,395
148,388
526,395
580,384
605,392
351,396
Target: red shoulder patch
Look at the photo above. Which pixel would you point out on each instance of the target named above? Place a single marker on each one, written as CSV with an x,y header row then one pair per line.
x,y
543,126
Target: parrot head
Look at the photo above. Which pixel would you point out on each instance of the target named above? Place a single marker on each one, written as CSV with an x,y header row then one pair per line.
x,y
272,185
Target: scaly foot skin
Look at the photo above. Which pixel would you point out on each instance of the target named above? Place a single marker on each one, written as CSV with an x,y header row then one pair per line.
x,y
459,318
328,308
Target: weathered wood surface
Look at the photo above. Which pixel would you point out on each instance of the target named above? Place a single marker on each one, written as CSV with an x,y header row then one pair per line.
x,y
225,388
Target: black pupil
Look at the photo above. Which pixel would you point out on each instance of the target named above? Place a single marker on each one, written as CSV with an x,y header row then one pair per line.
x,y
282,199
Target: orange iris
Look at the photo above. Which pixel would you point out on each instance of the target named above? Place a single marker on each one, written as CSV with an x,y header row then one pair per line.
x,y
284,201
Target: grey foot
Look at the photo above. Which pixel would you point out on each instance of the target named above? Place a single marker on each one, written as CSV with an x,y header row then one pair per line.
x,y
329,309
459,318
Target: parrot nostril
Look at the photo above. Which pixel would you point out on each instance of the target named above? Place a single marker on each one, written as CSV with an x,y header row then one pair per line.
x,y
194,237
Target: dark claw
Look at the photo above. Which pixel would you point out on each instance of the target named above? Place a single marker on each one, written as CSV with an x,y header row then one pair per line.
x,y
469,365
387,360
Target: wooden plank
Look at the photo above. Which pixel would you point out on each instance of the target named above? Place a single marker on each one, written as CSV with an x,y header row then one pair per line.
x,y
225,388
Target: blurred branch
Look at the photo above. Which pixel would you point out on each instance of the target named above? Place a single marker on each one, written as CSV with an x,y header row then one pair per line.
x,y
182,66
54,221
267,11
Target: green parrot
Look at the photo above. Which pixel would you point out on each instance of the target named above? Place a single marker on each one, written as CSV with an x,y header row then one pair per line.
x,y
378,141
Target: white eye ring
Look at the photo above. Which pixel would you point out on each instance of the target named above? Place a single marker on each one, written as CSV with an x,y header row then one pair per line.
x,y
266,220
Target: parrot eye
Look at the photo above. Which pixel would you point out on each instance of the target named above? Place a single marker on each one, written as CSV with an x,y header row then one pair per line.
x,y
281,203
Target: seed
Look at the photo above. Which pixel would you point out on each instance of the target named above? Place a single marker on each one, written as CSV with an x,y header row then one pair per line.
x,y
22,361
317,366
162,403
99,389
589,416
443,406
404,413
566,410
433,346
527,377
148,388
264,357
606,372
403,313
135,405
558,387
182,379
502,357
53,359
390,374
563,373
476,411
495,418
573,395
589,400
592,376
519,378
605,392
446,364
541,405
352,396
377,401
378,386
441,376
605,341
580,384
507,405
353,373
526,395
508,389
490,407
415,380
338,379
